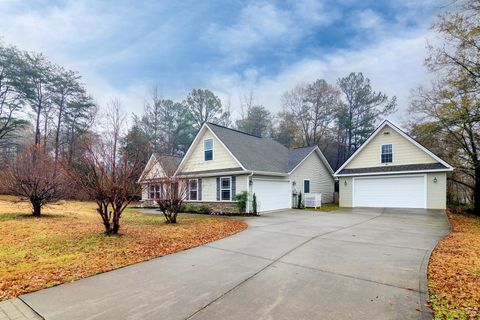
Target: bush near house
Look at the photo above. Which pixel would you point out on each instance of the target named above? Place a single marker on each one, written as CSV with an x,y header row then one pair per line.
x,y
454,270
195,208
68,243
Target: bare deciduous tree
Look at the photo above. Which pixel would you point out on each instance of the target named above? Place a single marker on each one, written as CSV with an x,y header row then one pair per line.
x,y
33,175
173,189
108,177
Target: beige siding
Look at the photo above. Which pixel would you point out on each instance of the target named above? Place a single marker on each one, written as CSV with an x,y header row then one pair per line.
x,y
153,170
345,191
221,157
144,191
209,187
436,191
404,151
321,180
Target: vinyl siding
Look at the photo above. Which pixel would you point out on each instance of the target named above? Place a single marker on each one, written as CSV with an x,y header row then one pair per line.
x,y
345,191
221,157
209,187
144,191
437,192
404,151
321,180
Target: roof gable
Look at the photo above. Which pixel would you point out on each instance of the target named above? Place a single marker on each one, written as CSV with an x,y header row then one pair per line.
x,y
157,166
406,152
193,161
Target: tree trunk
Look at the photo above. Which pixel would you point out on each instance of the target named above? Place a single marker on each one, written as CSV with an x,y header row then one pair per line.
x,y
37,208
476,194
116,224
37,126
57,133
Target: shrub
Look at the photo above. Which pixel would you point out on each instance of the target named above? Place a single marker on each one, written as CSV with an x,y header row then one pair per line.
x,y
194,208
254,204
241,199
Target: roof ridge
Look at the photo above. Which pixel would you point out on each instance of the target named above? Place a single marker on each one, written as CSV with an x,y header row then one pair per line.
x,y
236,130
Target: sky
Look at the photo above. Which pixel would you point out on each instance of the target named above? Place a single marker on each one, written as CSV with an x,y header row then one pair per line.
x,y
123,49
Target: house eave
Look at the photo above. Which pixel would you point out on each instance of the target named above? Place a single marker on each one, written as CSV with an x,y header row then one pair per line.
x,y
391,172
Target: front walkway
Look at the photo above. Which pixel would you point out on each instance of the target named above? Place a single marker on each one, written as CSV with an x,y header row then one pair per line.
x,y
351,264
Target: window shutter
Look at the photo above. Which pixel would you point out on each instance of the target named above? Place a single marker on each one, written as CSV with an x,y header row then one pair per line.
x,y
218,188
199,190
188,190
234,186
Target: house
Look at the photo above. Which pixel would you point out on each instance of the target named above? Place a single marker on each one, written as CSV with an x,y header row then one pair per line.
x,y
391,169
155,170
222,162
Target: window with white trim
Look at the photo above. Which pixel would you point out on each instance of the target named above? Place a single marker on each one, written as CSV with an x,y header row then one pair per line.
x,y
154,191
306,186
208,149
387,153
193,189
226,188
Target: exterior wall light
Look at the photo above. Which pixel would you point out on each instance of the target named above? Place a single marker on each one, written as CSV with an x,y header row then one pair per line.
x,y
435,180
345,182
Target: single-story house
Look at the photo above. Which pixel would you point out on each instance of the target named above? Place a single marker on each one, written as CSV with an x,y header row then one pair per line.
x,y
222,162
391,169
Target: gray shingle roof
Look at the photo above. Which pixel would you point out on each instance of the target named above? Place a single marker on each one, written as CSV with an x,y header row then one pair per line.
x,y
257,153
409,167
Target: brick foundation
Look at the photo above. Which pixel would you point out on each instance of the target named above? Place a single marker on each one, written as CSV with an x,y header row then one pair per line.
x,y
215,207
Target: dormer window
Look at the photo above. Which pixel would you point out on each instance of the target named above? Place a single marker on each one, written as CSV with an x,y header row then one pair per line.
x,y
387,153
208,149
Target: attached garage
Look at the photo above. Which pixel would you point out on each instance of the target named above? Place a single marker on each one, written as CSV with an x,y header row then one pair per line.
x,y
404,191
272,194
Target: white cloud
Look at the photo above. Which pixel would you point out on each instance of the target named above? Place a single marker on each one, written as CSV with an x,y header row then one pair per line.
x,y
261,25
394,65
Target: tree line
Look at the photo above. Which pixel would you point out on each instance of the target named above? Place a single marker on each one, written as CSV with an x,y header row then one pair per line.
x,y
39,96
337,117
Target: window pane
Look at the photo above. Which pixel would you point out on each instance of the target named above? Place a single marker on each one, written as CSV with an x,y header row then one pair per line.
x,y
208,155
225,194
225,183
306,186
193,195
208,144
193,184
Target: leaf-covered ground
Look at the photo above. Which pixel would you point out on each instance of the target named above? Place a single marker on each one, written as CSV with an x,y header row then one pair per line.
x,y
454,271
67,243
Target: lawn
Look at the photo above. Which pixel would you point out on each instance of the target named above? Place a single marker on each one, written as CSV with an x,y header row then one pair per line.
x,y
326,207
67,243
454,271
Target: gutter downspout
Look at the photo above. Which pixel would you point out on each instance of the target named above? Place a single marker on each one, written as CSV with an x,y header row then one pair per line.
x,y
248,192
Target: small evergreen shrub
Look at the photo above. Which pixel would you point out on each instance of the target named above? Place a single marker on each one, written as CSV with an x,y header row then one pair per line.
x,y
195,208
254,204
241,199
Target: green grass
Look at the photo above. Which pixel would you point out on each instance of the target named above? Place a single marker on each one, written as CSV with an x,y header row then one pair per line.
x,y
326,207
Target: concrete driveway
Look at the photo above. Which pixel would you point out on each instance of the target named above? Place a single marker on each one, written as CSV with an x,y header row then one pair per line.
x,y
351,264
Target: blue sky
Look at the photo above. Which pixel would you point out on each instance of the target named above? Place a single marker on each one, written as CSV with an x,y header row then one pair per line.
x,y
124,48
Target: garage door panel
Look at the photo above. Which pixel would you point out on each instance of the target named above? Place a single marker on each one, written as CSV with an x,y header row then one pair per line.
x,y
390,191
272,194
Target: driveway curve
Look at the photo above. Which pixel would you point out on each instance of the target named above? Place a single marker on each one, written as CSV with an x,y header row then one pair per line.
x,y
350,264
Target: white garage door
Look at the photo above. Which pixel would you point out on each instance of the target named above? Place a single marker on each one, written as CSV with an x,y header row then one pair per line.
x,y
272,194
390,191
